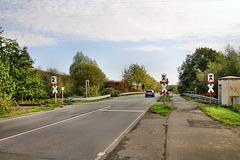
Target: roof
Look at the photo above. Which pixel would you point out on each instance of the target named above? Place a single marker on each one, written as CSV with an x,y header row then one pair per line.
x,y
229,77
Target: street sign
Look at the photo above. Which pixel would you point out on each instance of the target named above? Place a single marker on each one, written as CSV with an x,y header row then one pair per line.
x,y
210,77
164,77
54,80
55,89
210,86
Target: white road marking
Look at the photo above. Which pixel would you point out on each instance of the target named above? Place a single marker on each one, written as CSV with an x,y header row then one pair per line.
x,y
56,123
118,139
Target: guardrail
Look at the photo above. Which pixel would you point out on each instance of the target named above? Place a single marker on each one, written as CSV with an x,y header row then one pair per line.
x,y
199,96
90,98
128,93
101,97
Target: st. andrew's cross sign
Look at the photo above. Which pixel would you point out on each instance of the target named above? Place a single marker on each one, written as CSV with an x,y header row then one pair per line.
x,y
210,82
164,82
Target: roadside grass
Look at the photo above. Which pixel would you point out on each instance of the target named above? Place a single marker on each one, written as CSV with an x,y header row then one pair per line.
x,y
161,109
194,99
161,99
47,107
219,113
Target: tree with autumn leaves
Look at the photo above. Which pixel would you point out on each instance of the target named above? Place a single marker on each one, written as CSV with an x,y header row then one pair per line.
x,y
136,75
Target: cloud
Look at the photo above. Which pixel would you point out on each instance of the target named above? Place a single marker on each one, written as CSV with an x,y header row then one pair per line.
x,y
146,48
122,21
29,39
218,46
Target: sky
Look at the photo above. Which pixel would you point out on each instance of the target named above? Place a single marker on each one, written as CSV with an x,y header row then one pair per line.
x,y
117,33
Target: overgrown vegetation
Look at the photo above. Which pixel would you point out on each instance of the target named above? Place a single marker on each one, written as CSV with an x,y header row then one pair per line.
x,y
161,109
222,114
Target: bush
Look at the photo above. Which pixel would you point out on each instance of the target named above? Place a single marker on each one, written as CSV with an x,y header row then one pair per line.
x,y
7,105
112,91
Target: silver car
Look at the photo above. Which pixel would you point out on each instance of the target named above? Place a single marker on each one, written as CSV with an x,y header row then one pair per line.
x,y
149,92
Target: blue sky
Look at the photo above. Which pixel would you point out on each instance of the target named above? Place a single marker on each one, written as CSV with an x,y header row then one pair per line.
x,y
117,33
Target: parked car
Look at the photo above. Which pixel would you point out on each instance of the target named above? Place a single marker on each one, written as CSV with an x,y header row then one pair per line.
x,y
149,92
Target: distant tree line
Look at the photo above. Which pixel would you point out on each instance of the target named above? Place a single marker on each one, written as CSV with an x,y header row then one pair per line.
x,y
194,70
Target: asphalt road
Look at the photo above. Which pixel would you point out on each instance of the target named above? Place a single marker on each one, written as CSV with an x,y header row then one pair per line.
x,y
79,131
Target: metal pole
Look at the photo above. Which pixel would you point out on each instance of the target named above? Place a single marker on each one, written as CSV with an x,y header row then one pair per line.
x,y
164,98
210,99
164,95
55,98
62,96
86,87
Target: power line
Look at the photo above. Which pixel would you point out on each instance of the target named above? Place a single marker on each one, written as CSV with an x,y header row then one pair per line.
x,y
104,3
120,14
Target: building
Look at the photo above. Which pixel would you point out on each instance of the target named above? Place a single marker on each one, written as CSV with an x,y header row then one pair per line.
x,y
229,90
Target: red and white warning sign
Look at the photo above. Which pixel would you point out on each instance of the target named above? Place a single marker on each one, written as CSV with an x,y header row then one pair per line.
x,y
164,82
210,77
55,89
210,82
54,80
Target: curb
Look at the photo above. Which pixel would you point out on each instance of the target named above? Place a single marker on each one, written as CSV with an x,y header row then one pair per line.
x,y
103,155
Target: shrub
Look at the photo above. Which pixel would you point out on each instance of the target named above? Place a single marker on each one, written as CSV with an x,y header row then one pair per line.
x,y
7,105
112,91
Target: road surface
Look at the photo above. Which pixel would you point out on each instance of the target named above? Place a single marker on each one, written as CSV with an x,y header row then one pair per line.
x,y
79,131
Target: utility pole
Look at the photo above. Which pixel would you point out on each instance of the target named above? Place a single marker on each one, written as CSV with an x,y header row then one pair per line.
x,y
86,85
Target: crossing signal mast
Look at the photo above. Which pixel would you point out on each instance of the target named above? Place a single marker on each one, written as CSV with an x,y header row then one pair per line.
x,y
164,82
210,82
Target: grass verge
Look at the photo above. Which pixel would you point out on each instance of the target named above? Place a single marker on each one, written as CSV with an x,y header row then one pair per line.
x,y
46,107
221,114
161,109
195,99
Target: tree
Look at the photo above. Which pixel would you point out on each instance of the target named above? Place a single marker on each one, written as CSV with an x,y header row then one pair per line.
x,y
21,70
82,69
134,75
80,58
227,64
194,63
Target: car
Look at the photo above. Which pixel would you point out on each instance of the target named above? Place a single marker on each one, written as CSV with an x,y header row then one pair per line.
x,y
149,92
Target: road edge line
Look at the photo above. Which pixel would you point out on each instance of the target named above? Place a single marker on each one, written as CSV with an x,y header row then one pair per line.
x,y
103,155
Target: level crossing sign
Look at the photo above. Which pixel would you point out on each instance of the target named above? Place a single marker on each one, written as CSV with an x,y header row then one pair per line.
x,y
54,80
210,82
164,82
55,89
